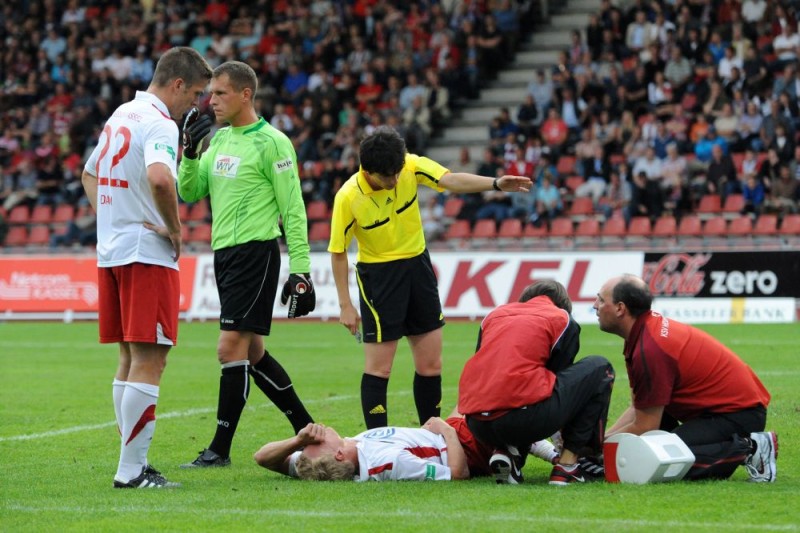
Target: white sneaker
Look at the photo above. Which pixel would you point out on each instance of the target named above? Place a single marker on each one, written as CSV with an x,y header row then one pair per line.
x,y
761,465
544,450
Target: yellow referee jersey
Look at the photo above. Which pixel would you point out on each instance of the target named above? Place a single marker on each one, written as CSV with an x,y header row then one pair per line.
x,y
386,224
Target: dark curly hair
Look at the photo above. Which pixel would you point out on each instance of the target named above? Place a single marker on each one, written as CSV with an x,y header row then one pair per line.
x,y
383,152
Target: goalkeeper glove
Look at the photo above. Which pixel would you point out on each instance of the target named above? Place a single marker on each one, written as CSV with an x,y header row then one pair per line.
x,y
195,127
299,292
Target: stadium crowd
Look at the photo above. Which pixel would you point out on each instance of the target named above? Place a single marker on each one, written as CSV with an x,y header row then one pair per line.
x,y
329,72
653,106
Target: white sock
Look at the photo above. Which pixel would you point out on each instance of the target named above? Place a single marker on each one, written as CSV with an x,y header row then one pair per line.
x,y
138,408
544,450
117,389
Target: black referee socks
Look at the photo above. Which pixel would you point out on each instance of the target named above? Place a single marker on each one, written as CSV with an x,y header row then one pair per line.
x,y
274,382
427,396
234,387
373,400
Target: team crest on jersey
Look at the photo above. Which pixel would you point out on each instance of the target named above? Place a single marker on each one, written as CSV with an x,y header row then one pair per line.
x,y
226,166
380,433
283,165
168,148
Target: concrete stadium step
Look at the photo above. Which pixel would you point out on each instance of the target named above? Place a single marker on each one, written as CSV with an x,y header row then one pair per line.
x,y
503,96
515,77
570,21
534,58
478,115
551,39
449,155
583,6
463,134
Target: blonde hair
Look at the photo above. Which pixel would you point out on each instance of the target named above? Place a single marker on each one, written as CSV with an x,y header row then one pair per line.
x,y
324,468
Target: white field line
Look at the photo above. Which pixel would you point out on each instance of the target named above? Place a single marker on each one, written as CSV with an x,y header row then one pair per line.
x,y
173,414
418,515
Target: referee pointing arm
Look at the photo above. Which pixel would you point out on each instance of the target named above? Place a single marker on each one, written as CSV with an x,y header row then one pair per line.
x,y
398,291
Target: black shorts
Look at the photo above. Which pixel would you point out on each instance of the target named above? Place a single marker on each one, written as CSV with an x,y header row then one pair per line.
x,y
398,298
247,282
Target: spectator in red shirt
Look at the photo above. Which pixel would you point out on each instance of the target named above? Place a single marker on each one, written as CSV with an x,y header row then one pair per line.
x,y
684,380
554,132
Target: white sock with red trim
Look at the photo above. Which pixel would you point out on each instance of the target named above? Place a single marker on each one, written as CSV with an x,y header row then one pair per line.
x,y
117,389
138,410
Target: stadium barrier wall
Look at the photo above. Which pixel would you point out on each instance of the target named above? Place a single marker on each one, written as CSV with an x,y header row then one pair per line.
x,y
698,288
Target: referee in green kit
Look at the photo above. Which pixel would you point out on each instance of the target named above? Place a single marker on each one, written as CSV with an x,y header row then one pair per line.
x,y
399,295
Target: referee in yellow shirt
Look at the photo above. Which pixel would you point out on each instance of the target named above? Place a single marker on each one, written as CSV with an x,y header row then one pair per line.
x,y
398,291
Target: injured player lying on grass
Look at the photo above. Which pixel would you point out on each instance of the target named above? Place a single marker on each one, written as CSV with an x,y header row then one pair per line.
x,y
439,450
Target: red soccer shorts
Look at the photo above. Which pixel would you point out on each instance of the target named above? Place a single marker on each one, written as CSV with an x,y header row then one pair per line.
x,y
139,303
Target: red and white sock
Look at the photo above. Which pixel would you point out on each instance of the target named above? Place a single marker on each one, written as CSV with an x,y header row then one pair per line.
x,y
138,410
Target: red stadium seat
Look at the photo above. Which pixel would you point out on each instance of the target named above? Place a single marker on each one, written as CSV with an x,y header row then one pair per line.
x,y
587,234
710,205
63,214
39,236
510,228
665,227
766,225
42,214
458,230
183,212
534,232
566,165
581,208
561,227
715,226
199,212
452,206
317,210
639,227
734,204
573,182
17,236
741,227
613,232
484,230
200,233
690,226
19,215
790,225
320,231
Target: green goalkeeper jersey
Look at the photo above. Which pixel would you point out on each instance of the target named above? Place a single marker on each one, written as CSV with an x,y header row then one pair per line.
x,y
250,172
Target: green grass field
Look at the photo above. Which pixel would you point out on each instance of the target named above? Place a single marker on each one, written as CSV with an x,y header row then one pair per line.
x,y
59,445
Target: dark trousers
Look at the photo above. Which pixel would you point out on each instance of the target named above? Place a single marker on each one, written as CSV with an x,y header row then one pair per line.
x,y
578,408
718,441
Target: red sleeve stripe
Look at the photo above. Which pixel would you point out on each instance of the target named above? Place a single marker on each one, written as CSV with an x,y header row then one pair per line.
x,y
424,452
380,468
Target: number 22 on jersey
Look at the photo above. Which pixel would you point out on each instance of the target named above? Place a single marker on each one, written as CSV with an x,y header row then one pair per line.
x,y
109,179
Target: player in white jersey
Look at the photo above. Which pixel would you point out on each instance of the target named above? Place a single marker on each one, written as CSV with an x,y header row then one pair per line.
x,y
440,450
130,181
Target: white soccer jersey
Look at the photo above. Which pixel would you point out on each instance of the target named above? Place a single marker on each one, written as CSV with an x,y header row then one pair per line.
x,y
138,134
397,454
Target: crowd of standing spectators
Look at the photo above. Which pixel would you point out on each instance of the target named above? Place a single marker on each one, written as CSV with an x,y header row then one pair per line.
x,y
653,106
329,72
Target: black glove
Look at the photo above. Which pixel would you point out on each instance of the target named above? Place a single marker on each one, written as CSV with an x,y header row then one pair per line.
x,y
299,292
195,127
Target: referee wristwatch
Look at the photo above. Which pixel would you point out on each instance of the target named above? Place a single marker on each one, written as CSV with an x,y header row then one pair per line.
x,y
494,184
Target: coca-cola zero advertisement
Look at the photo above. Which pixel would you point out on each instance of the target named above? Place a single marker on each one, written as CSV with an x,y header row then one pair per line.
x,y
723,274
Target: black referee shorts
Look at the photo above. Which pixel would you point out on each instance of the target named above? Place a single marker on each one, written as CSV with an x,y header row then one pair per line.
x,y
247,282
398,298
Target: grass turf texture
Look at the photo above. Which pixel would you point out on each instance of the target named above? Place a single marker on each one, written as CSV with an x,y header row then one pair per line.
x,y
59,444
